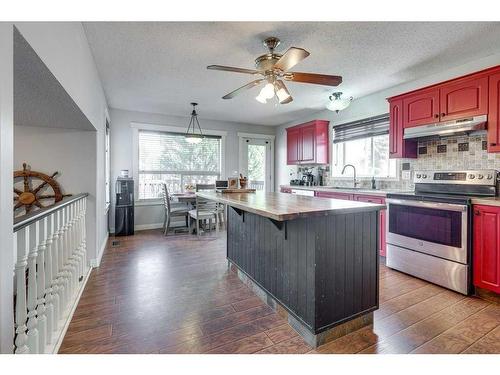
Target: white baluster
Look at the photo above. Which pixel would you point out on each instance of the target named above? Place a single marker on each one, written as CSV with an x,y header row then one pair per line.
x,y
61,283
84,235
49,278
70,262
32,324
40,285
56,292
22,246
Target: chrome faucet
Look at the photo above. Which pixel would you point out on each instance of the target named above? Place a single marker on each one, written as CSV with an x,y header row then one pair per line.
x,y
354,181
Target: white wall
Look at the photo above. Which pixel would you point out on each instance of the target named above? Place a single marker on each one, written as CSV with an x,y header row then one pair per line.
x,y
64,48
6,152
370,105
122,153
71,152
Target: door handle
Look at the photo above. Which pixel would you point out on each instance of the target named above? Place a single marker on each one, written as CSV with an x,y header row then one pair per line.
x,y
477,212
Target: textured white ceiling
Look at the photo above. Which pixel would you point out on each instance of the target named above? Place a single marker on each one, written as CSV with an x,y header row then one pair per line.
x,y
161,67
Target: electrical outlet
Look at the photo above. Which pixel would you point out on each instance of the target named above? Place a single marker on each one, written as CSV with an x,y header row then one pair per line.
x,y
406,175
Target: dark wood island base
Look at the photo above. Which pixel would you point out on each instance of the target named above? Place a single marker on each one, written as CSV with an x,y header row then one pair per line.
x,y
314,260
320,272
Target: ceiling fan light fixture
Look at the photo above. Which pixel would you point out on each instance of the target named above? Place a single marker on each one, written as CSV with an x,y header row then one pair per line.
x,y
267,91
191,135
337,104
282,93
261,99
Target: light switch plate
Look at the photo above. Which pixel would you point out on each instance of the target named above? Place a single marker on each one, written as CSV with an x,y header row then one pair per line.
x,y
406,175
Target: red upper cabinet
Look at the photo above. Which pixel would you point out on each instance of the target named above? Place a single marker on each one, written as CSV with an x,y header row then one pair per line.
x,y
293,141
398,147
421,108
308,143
494,113
463,98
486,247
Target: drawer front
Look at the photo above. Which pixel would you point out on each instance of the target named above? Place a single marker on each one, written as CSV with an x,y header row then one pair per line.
x,y
369,199
328,194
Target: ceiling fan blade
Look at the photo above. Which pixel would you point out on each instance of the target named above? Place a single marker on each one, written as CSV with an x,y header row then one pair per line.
x,y
282,93
318,79
238,91
233,69
291,58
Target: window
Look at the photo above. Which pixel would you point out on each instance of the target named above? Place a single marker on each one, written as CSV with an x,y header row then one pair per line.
x,y
168,158
364,144
108,165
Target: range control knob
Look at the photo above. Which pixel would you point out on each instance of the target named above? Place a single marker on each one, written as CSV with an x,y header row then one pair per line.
x,y
472,176
480,176
424,176
489,177
419,175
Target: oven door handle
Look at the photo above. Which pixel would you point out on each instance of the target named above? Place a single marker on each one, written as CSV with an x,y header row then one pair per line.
x,y
433,205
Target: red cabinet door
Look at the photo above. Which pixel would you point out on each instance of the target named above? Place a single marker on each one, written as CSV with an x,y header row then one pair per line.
x,y
486,247
463,98
494,113
382,218
398,147
334,195
308,138
421,108
293,143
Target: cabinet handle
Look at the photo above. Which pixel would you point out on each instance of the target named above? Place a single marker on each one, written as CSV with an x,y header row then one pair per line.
x,y
436,115
477,212
443,114
493,144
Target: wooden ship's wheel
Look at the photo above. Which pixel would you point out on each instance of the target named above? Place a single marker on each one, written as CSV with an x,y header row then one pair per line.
x,y
48,190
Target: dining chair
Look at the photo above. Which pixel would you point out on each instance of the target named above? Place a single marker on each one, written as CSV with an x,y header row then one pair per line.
x,y
169,211
206,210
220,208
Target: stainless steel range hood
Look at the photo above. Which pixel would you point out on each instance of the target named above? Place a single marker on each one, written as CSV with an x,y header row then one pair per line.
x,y
447,128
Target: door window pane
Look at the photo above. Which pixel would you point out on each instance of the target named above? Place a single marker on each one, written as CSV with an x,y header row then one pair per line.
x,y
257,166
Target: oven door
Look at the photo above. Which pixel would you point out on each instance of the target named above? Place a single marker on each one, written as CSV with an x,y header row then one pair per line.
x,y
438,229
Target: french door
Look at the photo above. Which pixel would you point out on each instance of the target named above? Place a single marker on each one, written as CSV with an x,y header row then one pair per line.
x,y
256,163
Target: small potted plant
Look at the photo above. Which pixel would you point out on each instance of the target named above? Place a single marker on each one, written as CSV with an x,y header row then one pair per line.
x,y
189,188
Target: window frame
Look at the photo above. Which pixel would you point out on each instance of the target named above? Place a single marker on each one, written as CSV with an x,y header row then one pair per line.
x,y
359,177
137,126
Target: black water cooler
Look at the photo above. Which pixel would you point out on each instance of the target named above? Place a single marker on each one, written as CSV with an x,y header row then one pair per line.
x,y
124,209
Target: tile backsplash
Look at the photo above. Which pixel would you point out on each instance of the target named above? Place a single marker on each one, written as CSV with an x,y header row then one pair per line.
x,y
450,153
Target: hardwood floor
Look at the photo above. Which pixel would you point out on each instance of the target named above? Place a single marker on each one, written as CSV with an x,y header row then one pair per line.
x,y
155,294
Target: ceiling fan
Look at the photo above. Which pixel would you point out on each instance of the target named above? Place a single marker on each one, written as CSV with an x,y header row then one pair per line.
x,y
274,67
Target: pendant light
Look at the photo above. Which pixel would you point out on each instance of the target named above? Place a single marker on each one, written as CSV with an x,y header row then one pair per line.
x,y
337,103
191,135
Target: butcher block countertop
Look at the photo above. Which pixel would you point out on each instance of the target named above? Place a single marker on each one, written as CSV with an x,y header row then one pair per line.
x,y
281,207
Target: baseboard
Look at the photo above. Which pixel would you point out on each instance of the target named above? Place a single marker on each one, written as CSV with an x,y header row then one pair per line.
x,y
139,227
97,261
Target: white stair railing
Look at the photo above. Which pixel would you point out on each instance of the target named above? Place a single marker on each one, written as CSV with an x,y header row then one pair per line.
x,y
51,266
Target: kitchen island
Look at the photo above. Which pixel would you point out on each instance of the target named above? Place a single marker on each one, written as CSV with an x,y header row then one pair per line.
x,y
312,259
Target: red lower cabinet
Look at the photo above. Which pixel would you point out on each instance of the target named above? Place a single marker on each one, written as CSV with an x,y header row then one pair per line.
x,y
486,247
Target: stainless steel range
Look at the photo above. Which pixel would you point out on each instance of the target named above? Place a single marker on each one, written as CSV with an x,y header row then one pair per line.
x,y
429,231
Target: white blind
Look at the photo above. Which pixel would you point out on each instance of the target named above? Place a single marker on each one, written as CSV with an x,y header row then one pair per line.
x,y
161,152
169,158
368,127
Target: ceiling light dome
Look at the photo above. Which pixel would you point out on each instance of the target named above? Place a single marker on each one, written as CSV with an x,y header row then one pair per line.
x,y
336,103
